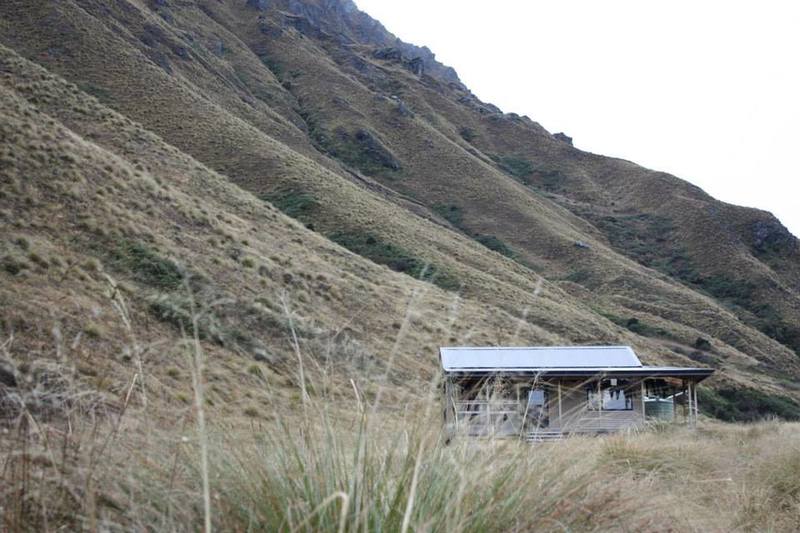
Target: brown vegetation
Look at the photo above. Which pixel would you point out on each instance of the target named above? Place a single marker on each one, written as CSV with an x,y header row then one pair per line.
x,y
333,458
265,221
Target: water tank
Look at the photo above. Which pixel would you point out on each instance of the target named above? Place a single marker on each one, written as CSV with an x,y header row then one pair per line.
x,y
659,408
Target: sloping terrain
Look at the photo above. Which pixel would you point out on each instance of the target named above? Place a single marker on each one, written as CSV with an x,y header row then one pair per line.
x,y
111,234
181,124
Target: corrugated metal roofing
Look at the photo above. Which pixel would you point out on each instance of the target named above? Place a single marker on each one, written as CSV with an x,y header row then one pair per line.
x,y
555,357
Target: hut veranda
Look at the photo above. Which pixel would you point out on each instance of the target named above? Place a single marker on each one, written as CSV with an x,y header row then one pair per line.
x,y
540,393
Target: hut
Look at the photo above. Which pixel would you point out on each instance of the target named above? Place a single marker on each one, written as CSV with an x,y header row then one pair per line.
x,y
544,393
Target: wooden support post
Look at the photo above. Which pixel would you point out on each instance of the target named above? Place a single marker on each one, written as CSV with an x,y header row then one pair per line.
x,y
674,407
446,397
696,407
449,402
683,407
560,424
599,398
644,414
689,402
488,423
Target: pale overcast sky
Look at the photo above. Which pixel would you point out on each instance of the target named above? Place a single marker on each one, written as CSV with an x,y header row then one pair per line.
x,y
706,90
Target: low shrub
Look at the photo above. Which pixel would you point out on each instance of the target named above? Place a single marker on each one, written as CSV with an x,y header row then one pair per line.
x,y
468,134
177,312
294,203
395,257
641,328
362,150
644,238
636,326
275,67
101,93
702,358
13,266
702,344
549,179
745,405
146,265
514,166
451,213
495,244
581,277
734,291
454,214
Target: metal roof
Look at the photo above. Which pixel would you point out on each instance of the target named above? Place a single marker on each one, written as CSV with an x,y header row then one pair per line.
x,y
490,358
559,361
696,374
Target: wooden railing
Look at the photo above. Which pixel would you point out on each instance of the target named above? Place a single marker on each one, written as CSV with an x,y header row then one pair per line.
x,y
477,407
507,417
495,417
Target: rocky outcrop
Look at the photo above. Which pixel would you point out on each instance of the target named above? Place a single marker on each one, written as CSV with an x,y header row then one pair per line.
x,y
341,20
395,55
388,54
402,107
563,137
770,237
417,66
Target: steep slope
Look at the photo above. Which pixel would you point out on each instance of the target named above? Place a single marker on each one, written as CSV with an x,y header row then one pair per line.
x,y
132,235
315,107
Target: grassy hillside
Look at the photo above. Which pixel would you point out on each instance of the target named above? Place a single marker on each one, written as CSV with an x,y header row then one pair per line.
x,y
319,111
233,234
333,463
130,219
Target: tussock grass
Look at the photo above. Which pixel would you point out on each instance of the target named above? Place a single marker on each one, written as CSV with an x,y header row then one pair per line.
x,y
258,149
332,471
328,454
323,477
331,447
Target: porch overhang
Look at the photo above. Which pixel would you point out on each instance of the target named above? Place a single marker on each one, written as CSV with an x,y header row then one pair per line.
x,y
693,374
558,362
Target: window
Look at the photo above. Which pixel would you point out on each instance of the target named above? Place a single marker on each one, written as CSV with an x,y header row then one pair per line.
x,y
535,398
536,411
613,395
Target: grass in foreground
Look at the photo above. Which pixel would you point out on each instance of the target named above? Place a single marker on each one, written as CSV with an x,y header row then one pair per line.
x,y
338,452
341,467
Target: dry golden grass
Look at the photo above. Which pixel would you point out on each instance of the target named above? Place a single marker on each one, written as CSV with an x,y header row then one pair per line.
x,y
196,114
334,458
228,110
181,213
301,403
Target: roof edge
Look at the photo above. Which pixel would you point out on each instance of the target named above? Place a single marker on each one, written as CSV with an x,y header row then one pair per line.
x,y
653,371
577,346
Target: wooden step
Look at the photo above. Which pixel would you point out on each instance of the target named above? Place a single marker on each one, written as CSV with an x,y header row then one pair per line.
x,y
544,436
